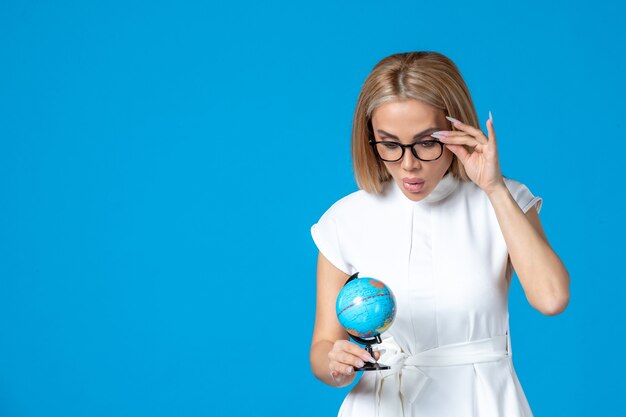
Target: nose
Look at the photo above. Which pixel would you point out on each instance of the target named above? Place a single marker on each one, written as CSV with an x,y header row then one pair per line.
x,y
409,161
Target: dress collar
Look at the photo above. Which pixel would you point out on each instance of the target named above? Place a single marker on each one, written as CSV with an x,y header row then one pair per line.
x,y
444,188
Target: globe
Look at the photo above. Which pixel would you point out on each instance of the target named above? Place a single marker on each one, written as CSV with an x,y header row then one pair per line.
x,y
365,307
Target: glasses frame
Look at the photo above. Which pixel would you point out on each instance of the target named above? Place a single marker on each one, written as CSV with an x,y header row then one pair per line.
x,y
403,147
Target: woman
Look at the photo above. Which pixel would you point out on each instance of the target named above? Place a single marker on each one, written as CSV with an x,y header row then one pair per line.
x,y
438,223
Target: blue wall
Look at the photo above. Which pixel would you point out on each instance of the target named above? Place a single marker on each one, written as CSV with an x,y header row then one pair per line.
x,y
161,164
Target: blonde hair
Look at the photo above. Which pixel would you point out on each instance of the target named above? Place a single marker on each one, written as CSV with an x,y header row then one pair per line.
x,y
426,76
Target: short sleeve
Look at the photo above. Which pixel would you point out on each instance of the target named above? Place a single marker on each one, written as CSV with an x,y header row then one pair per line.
x,y
326,237
522,195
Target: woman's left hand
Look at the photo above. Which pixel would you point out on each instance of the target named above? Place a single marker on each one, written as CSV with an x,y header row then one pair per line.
x,y
481,159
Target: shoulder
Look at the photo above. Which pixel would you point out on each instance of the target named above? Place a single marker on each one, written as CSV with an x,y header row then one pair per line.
x,y
519,191
513,186
335,228
355,204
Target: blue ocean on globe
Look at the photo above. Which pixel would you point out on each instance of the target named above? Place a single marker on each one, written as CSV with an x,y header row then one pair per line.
x,y
365,307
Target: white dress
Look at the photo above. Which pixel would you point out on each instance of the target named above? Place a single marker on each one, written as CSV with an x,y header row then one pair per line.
x,y
446,261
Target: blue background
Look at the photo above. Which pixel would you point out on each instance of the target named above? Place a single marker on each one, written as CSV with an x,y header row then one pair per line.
x,y
161,164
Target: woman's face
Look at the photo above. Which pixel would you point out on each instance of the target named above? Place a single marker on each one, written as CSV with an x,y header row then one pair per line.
x,y
407,122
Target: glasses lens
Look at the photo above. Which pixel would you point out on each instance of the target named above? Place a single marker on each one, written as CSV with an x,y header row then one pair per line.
x,y
389,151
428,150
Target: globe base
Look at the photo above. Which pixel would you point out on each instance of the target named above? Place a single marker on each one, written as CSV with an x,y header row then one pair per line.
x,y
372,367
368,346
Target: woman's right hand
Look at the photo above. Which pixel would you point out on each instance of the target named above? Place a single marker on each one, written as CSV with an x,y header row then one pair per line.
x,y
344,357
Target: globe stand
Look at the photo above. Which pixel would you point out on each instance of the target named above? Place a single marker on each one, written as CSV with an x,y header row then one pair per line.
x,y
368,343
368,346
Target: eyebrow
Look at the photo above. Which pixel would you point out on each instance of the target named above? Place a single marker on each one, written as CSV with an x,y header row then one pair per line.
x,y
417,135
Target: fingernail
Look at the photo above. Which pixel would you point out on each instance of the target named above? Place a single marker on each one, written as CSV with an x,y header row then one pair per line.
x,y
360,364
370,359
349,371
439,134
453,120
490,116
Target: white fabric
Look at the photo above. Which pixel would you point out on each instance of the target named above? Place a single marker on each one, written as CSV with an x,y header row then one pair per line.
x,y
446,261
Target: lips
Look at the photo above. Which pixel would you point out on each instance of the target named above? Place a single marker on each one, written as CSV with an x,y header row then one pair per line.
x,y
413,180
413,185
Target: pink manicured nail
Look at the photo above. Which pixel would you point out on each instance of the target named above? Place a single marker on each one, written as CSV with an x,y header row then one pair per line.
x,y
453,120
439,134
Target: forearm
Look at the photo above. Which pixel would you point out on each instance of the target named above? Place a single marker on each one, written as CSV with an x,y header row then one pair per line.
x,y
319,365
542,274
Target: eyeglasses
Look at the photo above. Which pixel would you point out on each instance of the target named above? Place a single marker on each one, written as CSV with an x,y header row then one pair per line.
x,y
424,150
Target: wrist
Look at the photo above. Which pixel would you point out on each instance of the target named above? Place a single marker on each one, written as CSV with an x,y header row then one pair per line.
x,y
497,189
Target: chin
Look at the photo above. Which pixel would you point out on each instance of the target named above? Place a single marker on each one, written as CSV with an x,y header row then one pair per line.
x,y
419,196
